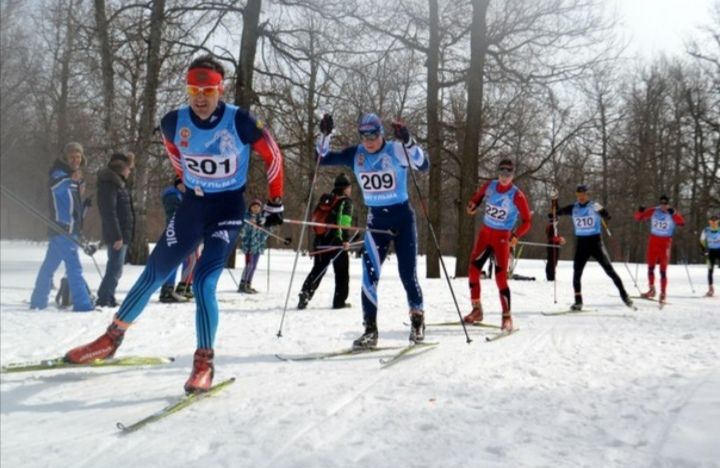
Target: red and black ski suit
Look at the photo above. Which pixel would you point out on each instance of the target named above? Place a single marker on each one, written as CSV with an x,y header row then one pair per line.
x,y
662,226
503,205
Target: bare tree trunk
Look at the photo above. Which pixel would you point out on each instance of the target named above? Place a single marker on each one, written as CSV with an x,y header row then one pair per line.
x,y
138,251
468,179
106,65
67,55
434,139
244,94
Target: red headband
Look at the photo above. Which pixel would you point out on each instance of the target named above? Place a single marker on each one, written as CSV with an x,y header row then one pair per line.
x,y
204,77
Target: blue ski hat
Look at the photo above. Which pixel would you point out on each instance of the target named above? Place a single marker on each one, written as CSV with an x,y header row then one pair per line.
x,y
370,123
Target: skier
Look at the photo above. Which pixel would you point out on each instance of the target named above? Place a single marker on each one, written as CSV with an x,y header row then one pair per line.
x,y
171,198
504,202
710,243
381,169
334,208
118,221
209,145
252,243
663,220
65,184
588,217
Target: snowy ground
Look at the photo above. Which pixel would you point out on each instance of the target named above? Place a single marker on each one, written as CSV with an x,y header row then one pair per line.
x,y
612,388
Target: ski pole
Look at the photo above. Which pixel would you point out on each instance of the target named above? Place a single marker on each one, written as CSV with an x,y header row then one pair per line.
x,y
267,285
330,248
554,256
607,229
86,246
302,236
337,226
232,275
687,270
540,244
284,240
437,244
322,273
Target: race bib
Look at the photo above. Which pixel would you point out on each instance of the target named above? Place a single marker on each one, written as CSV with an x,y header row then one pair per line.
x,y
211,167
496,213
584,222
372,182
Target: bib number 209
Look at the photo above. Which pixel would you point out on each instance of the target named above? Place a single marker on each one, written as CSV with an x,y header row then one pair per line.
x,y
377,181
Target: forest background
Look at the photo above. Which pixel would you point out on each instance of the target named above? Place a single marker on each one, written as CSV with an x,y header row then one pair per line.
x,y
548,83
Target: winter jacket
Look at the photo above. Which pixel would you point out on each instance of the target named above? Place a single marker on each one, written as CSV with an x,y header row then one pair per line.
x,y
115,205
252,240
66,207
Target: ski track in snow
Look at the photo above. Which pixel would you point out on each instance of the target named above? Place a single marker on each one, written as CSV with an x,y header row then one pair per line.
x,y
612,388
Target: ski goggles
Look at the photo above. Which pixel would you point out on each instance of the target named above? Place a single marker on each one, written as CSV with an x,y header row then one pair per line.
x,y
369,136
505,171
207,91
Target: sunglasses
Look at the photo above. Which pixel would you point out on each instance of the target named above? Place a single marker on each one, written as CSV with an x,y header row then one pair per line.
x,y
207,91
505,171
369,136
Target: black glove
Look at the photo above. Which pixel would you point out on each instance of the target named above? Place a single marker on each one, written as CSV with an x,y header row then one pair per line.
x,y
326,124
90,249
671,211
641,208
272,214
87,203
401,131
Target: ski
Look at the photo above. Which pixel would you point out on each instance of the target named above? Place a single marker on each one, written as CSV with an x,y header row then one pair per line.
x,y
183,403
331,354
652,299
406,351
457,324
60,363
568,311
501,334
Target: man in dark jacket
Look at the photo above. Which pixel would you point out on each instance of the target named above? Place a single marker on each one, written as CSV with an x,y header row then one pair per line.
x,y
66,211
118,218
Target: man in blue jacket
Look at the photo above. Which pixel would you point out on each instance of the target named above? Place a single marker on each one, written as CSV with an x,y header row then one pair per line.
x,y
65,183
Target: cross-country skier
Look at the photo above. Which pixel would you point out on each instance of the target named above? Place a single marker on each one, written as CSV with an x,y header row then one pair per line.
x,y
710,242
504,203
336,208
663,220
381,168
209,145
587,217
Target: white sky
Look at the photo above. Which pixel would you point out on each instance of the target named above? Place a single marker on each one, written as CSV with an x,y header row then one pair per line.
x,y
661,26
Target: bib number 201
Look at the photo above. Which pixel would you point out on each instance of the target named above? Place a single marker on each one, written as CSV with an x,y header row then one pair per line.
x,y
211,167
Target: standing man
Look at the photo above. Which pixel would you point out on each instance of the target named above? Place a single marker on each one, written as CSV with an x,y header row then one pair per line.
x,y
663,220
334,208
710,243
504,203
118,219
588,217
66,211
209,145
252,244
381,168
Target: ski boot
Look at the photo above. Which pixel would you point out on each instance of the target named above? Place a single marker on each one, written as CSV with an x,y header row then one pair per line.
x,y
102,348
304,299
649,294
417,325
710,292
577,306
368,340
201,377
185,290
628,302
169,296
476,315
662,298
343,305
507,323
243,287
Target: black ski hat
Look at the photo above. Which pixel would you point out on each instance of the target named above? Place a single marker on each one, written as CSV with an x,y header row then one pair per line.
x,y
664,198
581,188
506,163
341,181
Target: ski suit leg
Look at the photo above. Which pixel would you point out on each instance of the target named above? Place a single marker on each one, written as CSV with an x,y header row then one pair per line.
x,y
663,258
375,249
73,269
582,255
320,265
113,272
501,248
43,282
251,261
180,237
219,242
602,257
341,267
650,257
479,255
713,258
405,243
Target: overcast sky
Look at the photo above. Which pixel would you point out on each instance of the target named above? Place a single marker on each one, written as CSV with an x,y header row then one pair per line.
x,y
657,26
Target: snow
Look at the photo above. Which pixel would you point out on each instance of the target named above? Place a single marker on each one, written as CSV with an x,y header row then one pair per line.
x,y
612,388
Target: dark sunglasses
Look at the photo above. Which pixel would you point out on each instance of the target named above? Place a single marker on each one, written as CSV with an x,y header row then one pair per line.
x,y
369,136
505,171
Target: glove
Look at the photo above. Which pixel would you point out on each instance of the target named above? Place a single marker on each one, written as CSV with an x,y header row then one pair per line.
x,y
401,131
90,249
326,124
554,194
641,208
671,211
513,241
272,214
470,207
